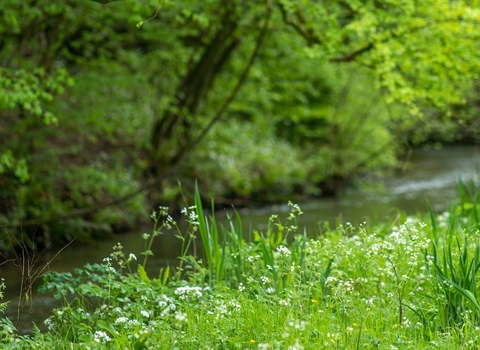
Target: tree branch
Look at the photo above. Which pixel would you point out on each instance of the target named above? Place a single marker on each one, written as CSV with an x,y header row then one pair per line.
x,y
105,1
240,81
300,26
181,158
352,55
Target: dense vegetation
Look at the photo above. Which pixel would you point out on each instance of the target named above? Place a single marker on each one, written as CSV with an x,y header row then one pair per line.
x,y
408,284
105,108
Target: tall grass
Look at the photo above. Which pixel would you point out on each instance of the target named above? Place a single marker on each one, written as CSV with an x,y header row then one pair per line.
x,y
454,258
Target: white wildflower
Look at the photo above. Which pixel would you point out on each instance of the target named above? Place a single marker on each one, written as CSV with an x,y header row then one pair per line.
x,y
101,337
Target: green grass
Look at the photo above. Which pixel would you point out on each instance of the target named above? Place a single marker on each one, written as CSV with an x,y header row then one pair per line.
x,y
407,285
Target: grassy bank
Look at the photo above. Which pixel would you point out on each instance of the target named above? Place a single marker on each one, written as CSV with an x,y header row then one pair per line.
x,y
407,284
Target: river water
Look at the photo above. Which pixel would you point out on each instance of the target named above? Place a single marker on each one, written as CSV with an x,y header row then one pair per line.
x,y
431,174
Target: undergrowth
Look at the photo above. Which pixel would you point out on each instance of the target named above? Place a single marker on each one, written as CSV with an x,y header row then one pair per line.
x,y
396,286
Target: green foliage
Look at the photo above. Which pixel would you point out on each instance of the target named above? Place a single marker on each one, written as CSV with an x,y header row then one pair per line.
x,y
242,160
352,288
456,263
256,100
7,329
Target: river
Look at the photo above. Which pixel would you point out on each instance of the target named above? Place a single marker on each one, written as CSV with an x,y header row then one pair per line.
x,y
431,174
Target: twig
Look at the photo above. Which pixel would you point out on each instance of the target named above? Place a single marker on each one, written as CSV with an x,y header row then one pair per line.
x,y
29,271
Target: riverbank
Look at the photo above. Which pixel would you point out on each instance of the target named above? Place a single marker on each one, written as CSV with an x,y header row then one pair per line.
x,y
409,283
429,174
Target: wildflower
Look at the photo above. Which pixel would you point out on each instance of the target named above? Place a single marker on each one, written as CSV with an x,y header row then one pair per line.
x,y
265,279
188,292
180,317
273,217
132,256
296,346
121,319
252,341
133,323
49,323
299,325
163,211
193,216
285,252
145,313
295,208
101,337
170,220
241,287
270,290
166,304
330,280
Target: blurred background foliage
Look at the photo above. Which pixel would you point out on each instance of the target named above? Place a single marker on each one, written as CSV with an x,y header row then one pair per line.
x,y
259,101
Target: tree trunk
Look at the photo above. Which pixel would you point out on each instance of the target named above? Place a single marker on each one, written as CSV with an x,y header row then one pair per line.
x,y
173,132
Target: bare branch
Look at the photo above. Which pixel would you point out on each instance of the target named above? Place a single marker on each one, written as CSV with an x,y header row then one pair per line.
x,y
300,26
352,55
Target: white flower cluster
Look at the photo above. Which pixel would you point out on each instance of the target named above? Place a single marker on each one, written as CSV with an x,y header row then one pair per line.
x,y
270,290
191,215
101,337
181,317
284,251
166,304
187,292
340,288
127,323
300,325
405,242
265,279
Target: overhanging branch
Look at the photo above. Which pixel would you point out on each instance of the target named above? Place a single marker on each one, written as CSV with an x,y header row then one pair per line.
x,y
156,181
240,81
352,55
105,1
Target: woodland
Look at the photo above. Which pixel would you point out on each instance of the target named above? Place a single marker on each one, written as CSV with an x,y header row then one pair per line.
x,y
111,108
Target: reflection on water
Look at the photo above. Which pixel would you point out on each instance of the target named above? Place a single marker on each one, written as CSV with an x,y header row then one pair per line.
x,y
433,175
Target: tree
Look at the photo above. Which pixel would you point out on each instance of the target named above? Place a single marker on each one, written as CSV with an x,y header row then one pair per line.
x,y
161,85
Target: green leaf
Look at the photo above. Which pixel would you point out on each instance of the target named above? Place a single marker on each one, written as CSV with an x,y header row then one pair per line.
x,y
143,274
466,293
